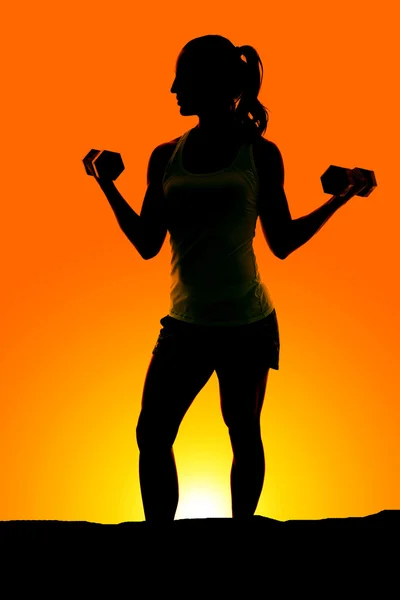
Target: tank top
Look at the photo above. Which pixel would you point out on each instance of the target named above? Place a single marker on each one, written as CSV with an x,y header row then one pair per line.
x,y
211,219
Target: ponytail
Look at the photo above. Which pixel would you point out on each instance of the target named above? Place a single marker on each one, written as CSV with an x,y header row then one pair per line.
x,y
250,81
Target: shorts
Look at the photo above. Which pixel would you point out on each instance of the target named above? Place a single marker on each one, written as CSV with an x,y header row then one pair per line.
x,y
258,341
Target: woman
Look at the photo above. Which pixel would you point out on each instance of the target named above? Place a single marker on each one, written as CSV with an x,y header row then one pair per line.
x,y
207,188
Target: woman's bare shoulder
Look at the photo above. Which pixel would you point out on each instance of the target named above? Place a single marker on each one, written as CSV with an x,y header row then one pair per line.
x,y
171,145
263,142
265,149
165,151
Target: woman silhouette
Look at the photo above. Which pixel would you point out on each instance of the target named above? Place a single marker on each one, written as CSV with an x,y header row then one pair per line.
x,y
207,188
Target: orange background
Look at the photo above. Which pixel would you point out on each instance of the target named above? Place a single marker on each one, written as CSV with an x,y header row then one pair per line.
x,y
80,309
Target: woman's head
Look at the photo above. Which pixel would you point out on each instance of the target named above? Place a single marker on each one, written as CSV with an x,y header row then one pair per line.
x,y
212,78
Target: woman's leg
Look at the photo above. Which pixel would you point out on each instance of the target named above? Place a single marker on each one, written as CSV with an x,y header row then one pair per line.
x,y
242,386
176,374
248,469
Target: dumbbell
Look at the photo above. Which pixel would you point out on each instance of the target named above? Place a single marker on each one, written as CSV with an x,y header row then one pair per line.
x,y
103,164
339,180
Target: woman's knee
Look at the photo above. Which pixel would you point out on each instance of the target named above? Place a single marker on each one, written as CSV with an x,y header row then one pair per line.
x,y
245,430
152,433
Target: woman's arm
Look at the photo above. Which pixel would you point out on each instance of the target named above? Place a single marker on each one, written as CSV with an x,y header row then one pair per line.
x,y
304,228
284,234
129,221
148,230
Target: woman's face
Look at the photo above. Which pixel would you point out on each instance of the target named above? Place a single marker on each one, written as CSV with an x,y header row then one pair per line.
x,y
196,86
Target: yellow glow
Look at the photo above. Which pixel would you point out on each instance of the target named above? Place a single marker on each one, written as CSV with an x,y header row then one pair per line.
x,y
200,502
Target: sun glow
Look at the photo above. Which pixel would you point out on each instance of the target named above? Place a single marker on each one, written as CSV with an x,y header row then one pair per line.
x,y
201,503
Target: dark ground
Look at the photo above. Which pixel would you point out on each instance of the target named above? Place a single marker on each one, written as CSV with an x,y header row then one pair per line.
x,y
221,558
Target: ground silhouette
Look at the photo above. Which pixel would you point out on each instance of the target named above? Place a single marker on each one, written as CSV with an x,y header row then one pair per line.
x,y
198,557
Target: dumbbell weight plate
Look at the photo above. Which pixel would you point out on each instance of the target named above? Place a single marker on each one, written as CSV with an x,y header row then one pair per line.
x,y
104,164
371,181
337,180
87,161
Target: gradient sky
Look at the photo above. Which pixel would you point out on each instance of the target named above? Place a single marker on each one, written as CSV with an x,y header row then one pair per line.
x,y
80,309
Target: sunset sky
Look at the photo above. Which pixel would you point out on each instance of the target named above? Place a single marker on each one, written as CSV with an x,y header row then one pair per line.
x,y
81,310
